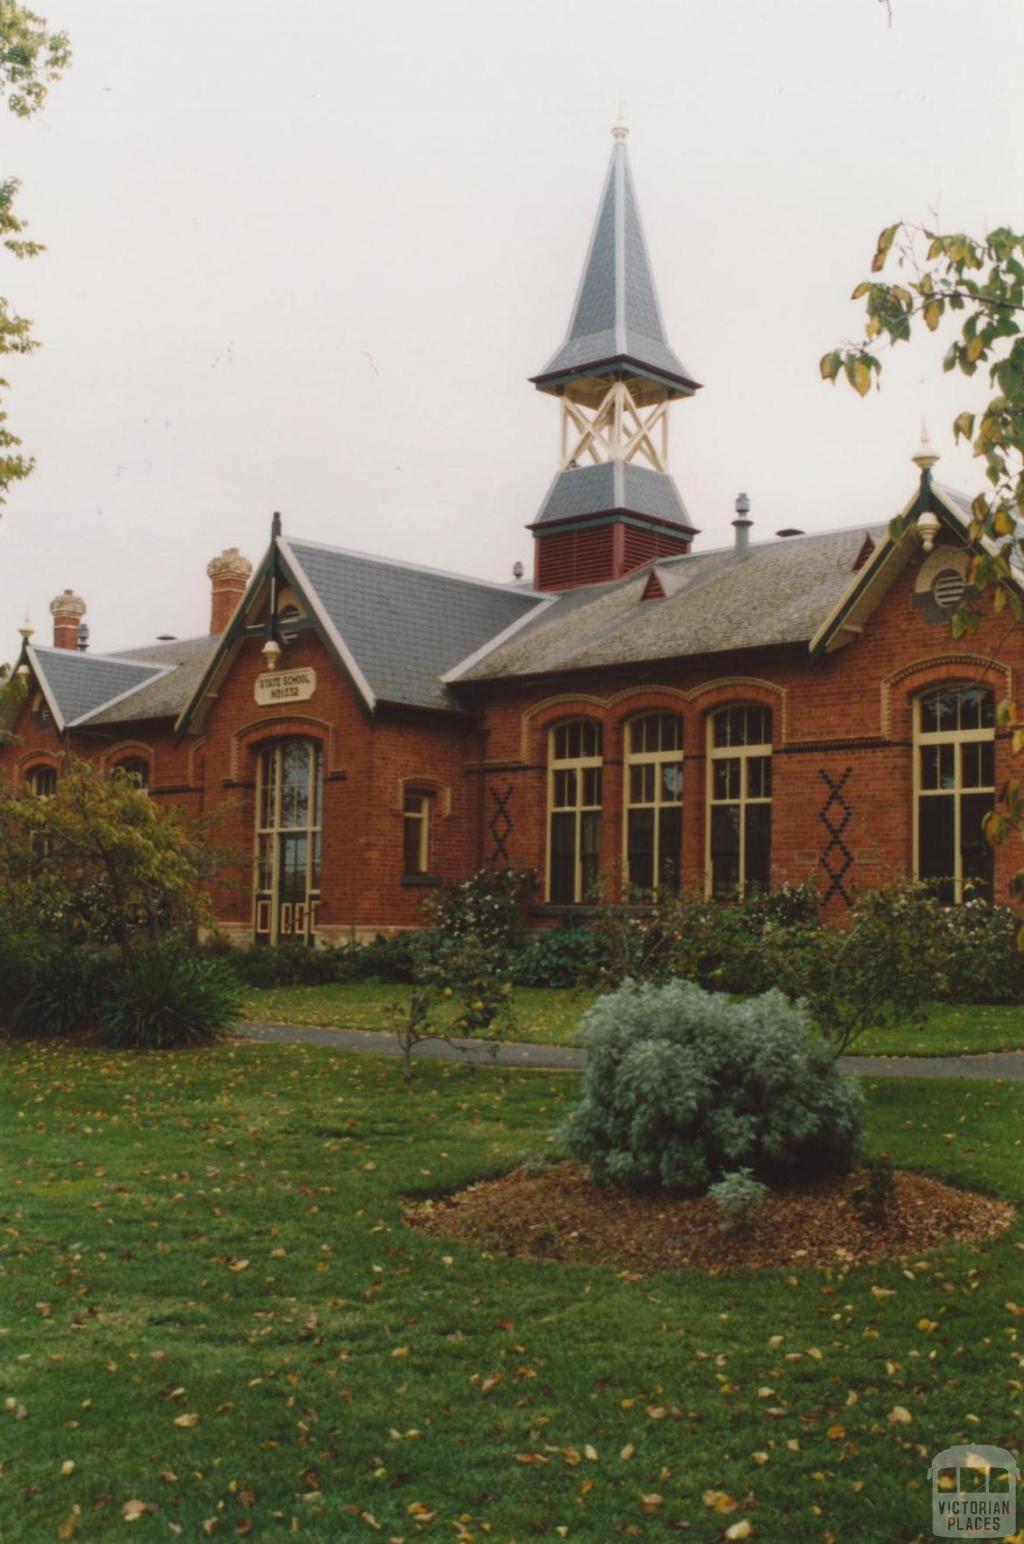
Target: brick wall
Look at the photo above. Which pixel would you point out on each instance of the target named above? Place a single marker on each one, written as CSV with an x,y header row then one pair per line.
x,y
842,756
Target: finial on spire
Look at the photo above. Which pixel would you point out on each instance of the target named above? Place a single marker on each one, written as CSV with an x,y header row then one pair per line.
x,y
26,629
620,131
926,457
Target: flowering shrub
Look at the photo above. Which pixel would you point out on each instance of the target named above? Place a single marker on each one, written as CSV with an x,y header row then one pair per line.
x,y
682,1086
486,906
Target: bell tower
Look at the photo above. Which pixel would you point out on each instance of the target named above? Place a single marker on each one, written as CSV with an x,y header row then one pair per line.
x,y
613,504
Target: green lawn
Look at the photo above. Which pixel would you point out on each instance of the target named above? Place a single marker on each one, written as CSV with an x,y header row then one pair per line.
x,y
209,1309
551,1017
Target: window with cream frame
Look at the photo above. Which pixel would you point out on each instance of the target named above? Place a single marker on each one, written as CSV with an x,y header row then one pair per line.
x,y
954,789
41,781
739,824
289,815
574,811
416,834
653,805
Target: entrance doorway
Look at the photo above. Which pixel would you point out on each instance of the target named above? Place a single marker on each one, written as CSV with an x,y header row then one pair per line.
x,y
289,812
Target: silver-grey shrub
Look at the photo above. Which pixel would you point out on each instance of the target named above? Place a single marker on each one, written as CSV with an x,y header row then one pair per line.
x,y
682,1086
738,1196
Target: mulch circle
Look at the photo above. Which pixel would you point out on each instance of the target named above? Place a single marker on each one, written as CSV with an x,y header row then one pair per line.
x,y
558,1214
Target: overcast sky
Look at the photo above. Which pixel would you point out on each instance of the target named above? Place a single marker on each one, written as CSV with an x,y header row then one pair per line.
x,y
303,256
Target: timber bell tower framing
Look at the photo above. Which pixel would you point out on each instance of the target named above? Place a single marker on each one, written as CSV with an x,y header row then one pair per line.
x,y
613,504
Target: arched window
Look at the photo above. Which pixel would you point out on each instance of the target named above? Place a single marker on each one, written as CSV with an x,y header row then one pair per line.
x,y
574,811
41,782
654,801
137,768
739,801
289,813
954,729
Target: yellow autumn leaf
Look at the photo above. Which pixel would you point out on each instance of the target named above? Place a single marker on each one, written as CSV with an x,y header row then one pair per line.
x,y
899,1415
933,314
190,1418
627,1451
590,1451
133,1510
68,1466
238,1265
860,377
740,1530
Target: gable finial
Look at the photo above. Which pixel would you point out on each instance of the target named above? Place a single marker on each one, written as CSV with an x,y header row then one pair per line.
x,y
26,629
926,457
620,131
275,525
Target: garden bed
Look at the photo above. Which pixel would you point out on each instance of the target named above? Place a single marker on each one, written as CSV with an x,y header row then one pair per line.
x,y
559,1214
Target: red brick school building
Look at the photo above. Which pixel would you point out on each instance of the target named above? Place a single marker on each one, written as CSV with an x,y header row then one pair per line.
x,y
644,713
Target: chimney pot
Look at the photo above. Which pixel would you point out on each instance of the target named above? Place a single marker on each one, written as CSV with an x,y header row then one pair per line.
x,y
229,574
67,610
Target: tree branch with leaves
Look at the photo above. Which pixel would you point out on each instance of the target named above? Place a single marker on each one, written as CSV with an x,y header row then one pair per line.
x,y
31,59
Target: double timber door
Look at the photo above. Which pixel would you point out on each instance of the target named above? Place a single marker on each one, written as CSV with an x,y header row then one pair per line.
x,y
289,813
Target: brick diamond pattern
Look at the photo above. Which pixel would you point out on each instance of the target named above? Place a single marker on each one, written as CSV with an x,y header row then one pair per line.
x,y
500,825
835,815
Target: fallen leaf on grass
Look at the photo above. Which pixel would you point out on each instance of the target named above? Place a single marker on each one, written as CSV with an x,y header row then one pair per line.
x,y
189,1419
740,1530
899,1415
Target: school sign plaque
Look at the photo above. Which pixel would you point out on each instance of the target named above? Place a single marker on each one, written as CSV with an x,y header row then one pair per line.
x,y
275,686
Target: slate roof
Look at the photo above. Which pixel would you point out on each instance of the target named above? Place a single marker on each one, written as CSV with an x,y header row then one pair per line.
x,y
613,485
616,316
78,684
167,694
780,592
151,682
406,626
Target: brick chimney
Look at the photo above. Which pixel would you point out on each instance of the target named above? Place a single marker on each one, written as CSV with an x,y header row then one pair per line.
x,y
229,575
67,611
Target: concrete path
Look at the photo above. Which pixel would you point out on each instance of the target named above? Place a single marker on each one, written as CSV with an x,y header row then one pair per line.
x,y
561,1058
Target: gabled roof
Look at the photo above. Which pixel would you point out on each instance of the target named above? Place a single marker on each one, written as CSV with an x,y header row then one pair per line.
x,y
876,575
404,626
620,486
76,685
165,695
616,319
778,593
393,629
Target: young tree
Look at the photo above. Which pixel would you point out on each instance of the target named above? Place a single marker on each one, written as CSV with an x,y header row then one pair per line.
x,y
31,59
975,287
102,856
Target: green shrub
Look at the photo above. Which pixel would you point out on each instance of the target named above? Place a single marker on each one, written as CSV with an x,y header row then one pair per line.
x,y
66,993
737,1197
681,1086
20,953
565,956
383,959
167,996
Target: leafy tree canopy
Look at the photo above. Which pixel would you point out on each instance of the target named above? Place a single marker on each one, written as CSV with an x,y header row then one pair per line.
x,y
31,59
99,859
974,287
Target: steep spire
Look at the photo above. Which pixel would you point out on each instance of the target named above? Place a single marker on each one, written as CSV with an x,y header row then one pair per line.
x,y
616,321
613,504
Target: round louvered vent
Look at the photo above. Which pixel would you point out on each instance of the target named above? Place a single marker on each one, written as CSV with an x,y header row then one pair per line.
x,y
948,589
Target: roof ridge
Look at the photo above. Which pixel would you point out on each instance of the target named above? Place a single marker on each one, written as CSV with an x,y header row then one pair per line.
x,y
419,568
106,659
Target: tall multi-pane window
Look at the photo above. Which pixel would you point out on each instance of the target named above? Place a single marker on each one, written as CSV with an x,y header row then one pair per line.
x,y
955,759
416,834
654,801
289,813
574,805
739,801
